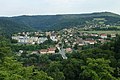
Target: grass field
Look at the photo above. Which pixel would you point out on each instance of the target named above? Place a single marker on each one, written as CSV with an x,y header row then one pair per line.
x,y
116,26
107,32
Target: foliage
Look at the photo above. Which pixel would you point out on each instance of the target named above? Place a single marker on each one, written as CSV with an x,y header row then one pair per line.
x,y
54,71
8,27
102,63
97,69
10,69
55,22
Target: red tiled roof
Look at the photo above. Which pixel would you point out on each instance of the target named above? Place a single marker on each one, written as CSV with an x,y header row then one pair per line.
x,y
103,34
68,49
51,49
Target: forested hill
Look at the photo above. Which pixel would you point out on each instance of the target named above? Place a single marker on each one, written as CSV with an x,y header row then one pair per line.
x,y
8,27
51,22
54,22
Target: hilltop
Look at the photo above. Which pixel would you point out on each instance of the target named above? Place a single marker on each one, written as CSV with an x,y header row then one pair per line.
x,y
55,22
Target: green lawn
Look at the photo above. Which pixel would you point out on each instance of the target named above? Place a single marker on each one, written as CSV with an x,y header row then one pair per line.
x,y
116,26
107,32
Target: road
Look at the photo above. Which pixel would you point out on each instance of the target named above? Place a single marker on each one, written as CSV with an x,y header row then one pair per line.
x,y
62,52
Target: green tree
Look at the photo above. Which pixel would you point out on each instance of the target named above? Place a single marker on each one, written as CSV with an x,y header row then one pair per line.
x,y
10,69
54,71
14,41
71,68
97,69
5,49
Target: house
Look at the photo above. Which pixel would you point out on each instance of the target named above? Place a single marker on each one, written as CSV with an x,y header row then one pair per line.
x,y
53,38
47,51
42,39
90,42
86,42
113,35
103,36
81,44
51,50
68,50
66,40
101,40
21,39
94,35
48,33
43,51
15,37
20,51
34,52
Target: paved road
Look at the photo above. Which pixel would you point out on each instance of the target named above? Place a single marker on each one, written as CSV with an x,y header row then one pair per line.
x,y
62,52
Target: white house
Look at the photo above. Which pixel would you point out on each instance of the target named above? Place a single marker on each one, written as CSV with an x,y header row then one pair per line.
x,y
113,35
43,51
53,38
42,39
103,36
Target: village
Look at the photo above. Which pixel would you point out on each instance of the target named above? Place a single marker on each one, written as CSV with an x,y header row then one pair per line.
x,y
66,39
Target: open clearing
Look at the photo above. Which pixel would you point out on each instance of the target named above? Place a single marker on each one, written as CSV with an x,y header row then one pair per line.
x,y
107,32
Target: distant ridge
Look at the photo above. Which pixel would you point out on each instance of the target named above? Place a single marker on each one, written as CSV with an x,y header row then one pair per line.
x,y
56,22
94,13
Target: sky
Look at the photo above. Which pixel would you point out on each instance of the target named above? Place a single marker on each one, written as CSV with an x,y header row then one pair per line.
x,y
52,7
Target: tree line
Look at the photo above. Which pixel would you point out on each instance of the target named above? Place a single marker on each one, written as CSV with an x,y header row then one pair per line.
x,y
101,63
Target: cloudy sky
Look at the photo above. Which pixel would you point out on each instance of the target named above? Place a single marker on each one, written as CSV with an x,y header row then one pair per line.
x,y
50,7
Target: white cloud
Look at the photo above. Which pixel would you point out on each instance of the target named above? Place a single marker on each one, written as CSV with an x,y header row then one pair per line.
x,y
17,7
